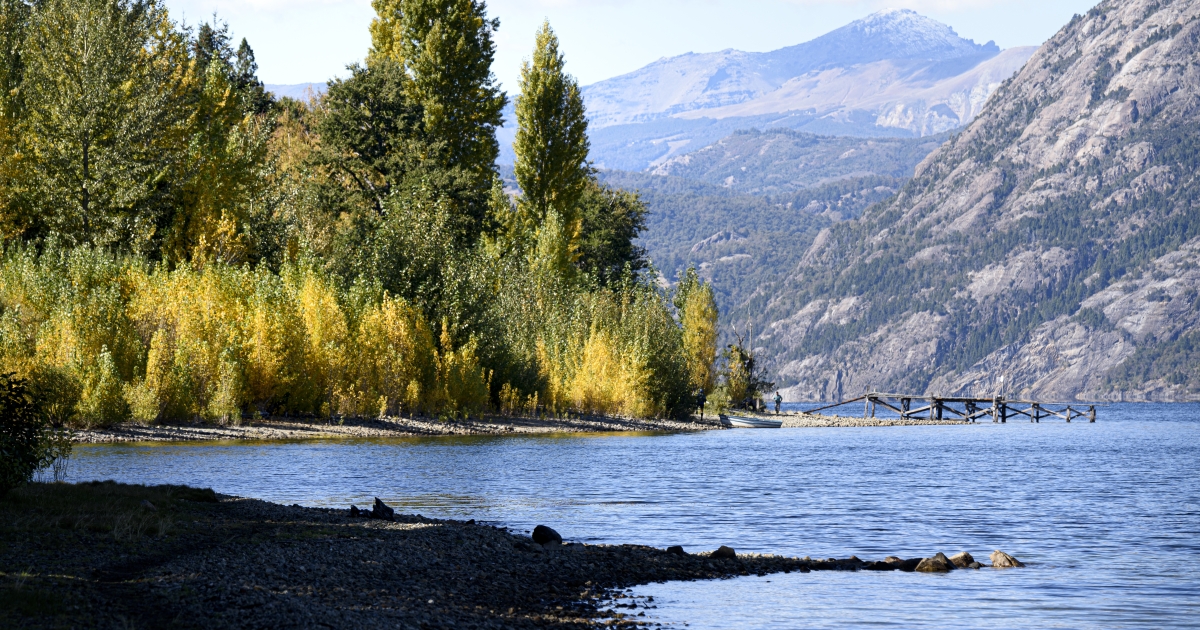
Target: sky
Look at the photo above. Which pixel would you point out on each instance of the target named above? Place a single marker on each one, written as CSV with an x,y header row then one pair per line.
x,y
303,41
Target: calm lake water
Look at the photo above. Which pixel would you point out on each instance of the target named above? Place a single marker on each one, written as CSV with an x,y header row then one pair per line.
x,y
1106,515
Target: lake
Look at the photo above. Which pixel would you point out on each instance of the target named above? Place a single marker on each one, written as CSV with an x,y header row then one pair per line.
x,y
1106,515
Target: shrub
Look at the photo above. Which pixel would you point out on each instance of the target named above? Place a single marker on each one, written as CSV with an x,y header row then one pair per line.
x,y
27,444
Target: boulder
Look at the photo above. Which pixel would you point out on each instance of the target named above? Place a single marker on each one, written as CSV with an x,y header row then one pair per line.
x,y
975,565
909,565
382,511
543,535
939,563
879,566
1001,560
962,560
893,560
355,512
725,552
149,506
677,550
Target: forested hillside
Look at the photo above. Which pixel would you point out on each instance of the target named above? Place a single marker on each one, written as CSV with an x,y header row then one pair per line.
x,y
1049,249
779,161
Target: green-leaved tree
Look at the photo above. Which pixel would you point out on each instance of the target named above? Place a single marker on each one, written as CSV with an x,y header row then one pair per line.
x,y
446,50
551,144
103,118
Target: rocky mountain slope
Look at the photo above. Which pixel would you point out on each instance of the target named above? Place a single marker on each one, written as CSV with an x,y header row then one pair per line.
x,y
1054,243
894,73
779,161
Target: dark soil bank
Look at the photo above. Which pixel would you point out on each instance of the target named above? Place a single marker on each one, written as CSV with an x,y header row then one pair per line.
x,y
70,559
115,556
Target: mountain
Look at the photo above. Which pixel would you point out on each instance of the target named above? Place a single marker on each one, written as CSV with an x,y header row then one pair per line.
x,y
298,91
1051,249
711,80
745,209
777,161
894,73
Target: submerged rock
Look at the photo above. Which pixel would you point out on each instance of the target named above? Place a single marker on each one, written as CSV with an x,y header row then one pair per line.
x,y
962,560
724,552
1001,560
543,535
939,563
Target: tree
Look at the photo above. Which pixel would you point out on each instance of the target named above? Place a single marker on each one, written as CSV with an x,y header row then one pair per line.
x,y
370,135
222,184
610,221
445,48
698,316
551,144
744,380
103,87
14,18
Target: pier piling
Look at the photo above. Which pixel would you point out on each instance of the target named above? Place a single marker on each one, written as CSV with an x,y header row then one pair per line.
x,y
965,408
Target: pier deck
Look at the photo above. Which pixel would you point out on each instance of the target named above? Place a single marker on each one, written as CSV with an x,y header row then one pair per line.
x,y
968,408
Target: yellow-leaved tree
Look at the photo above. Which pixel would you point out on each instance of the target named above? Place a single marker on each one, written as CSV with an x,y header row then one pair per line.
x,y
698,316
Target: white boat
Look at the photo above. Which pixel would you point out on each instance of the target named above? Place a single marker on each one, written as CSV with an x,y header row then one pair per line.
x,y
743,422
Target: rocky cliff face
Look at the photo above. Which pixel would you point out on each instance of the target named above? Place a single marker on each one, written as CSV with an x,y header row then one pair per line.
x,y
1055,242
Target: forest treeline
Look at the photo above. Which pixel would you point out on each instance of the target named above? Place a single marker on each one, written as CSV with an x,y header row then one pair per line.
x,y
180,245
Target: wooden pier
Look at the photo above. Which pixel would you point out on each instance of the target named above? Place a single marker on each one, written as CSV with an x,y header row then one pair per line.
x,y
966,408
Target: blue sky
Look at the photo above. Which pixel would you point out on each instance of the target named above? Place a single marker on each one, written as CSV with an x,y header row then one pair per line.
x,y
300,41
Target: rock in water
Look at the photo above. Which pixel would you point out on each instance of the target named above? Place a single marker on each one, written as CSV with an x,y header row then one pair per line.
x,y
677,550
962,560
543,535
1001,560
724,552
382,511
937,564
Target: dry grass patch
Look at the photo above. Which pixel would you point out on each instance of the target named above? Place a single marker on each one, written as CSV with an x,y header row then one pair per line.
x,y
128,512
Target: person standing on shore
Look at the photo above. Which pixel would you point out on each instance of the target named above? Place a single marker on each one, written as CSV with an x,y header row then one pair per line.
x,y
701,399
778,401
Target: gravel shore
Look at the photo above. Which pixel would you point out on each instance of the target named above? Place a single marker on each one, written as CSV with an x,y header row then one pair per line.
x,y
234,562
302,429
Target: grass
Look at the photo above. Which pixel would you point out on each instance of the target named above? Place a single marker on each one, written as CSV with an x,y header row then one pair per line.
x,y
127,512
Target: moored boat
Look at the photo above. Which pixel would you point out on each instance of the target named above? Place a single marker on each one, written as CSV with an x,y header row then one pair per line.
x,y
745,422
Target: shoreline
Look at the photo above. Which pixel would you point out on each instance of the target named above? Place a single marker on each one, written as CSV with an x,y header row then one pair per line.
x,y
103,554
288,429
280,429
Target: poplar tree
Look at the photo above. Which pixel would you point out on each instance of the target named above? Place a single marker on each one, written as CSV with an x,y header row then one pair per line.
x,y
102,86
698,316
551,144
446,49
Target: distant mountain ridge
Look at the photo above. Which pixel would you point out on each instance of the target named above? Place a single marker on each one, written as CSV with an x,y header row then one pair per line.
x,y
894,73
298,91
702,81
